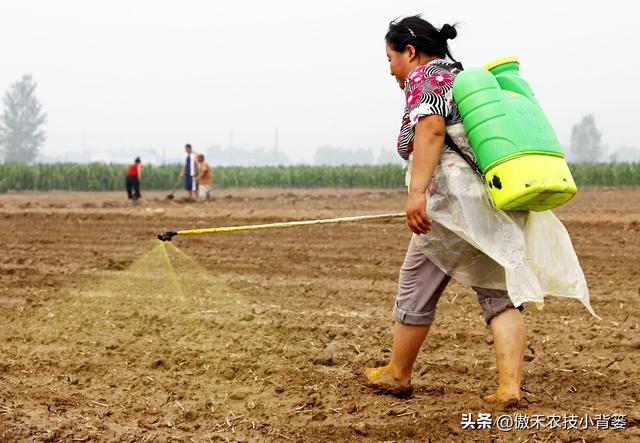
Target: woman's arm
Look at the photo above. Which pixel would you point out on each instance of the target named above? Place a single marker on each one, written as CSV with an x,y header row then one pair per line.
x,y
427,147
140,173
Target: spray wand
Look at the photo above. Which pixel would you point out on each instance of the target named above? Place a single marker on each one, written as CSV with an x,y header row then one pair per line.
x,y
167,236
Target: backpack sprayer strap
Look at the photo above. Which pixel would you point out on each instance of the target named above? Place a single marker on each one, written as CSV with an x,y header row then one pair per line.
x,y
449,141
457,66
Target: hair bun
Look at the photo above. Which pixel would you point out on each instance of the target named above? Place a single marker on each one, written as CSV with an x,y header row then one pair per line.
x,y
448,32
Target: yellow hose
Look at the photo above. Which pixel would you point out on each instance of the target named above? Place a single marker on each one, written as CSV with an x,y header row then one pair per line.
x,y
169,234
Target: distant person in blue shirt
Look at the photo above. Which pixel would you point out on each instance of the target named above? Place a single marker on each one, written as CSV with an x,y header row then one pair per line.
x,y
190,172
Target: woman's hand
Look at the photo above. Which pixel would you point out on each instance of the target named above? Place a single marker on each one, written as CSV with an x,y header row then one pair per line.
x,y
427,145
417,218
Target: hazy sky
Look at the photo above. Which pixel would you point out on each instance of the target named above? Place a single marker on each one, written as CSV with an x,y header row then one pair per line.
x,y
150,74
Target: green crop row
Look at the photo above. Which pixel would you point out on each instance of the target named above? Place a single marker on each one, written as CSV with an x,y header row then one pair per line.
x,y
606,174
110,177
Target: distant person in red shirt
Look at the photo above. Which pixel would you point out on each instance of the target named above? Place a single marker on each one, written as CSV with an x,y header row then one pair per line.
x,y
134,178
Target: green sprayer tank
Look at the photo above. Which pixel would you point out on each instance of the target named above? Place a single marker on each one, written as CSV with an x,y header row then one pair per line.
x,y
516,147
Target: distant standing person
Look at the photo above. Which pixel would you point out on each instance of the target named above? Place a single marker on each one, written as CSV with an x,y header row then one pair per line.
x,y
189,171
204,178
133,180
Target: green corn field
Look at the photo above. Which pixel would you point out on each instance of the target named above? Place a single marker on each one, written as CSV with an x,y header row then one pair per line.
x,y
110,177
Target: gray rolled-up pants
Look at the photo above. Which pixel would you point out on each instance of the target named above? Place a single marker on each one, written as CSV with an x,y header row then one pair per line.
x,y
421,284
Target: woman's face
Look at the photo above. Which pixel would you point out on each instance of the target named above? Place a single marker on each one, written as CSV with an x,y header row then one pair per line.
x,y
399,63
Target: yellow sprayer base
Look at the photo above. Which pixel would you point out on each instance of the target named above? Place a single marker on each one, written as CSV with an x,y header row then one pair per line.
x,y
531,182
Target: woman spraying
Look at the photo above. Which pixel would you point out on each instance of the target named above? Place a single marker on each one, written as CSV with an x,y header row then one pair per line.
x,y
458,233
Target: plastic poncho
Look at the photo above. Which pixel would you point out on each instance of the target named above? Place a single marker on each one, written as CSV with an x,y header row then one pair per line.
x,y
527,253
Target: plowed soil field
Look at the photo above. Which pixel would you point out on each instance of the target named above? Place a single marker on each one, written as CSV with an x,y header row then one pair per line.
x,y
106,335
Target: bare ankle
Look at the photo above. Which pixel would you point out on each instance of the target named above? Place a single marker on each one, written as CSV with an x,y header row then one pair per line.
x,y
401,374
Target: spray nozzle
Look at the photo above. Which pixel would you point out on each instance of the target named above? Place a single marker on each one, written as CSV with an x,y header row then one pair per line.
x,y
167,235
